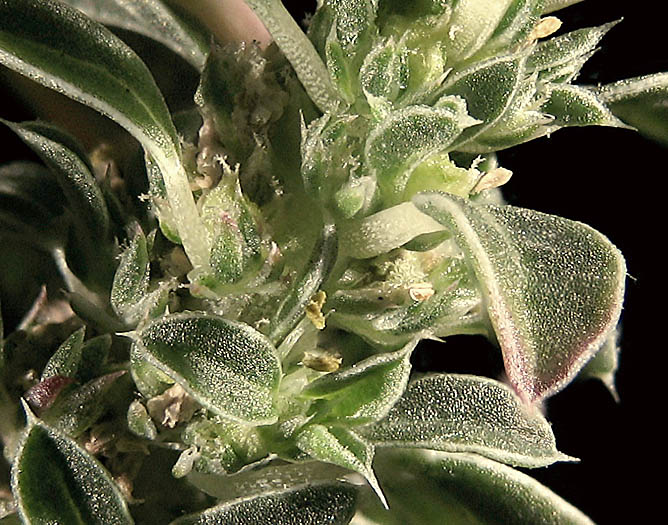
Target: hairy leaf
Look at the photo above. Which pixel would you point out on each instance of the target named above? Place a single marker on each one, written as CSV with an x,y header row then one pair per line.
x,y
54,480
560,58
132,276
640,102
603,365
425,486
577,106
406,137
549,6
340,447
473,22
76,409
66,359
153,19
363,393
553,287
57,46
385,230
292,307
461,413
332,503
69,164
488,88
227,366
297,48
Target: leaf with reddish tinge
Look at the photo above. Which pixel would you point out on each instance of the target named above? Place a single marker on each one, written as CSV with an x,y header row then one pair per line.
x,y
553,287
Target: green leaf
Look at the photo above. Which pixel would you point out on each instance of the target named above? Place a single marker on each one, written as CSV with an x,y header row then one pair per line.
x,y
559,59
553,287
94,355
462,413
297,48
423,487
603,366
153,19
139,422
363,393
66,359
132,276
550,6
30,201
488,87
291,310
341,447
227,366
640,102
406,137
578,106
76,409
473,22
519,19
385,230
57,46
54,480
69,163
325,502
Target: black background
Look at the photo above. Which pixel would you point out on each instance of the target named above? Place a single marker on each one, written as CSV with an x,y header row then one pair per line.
x,y
613,180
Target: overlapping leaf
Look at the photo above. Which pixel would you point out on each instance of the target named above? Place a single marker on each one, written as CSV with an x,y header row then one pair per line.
x,y
364,392
228,367
424,487
553,287
54,480
154,19
460,413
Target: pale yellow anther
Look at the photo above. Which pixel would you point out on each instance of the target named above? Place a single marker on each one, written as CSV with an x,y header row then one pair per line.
x,y
545,27
420,291
314,310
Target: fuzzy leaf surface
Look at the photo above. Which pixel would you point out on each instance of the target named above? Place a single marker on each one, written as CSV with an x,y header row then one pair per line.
x,y
56,481
385,230
132,276
363,393
153,19
227,366
408,136
65,360
553,287
425,486
69,163
316,271
332,503
75,410
60,48
578,106
640,102
462,413
341,447
488,88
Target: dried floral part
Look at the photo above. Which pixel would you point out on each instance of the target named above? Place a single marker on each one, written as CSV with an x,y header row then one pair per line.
x,y
172,407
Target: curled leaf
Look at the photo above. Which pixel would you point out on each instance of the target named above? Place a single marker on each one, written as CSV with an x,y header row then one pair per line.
x,y
553,287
